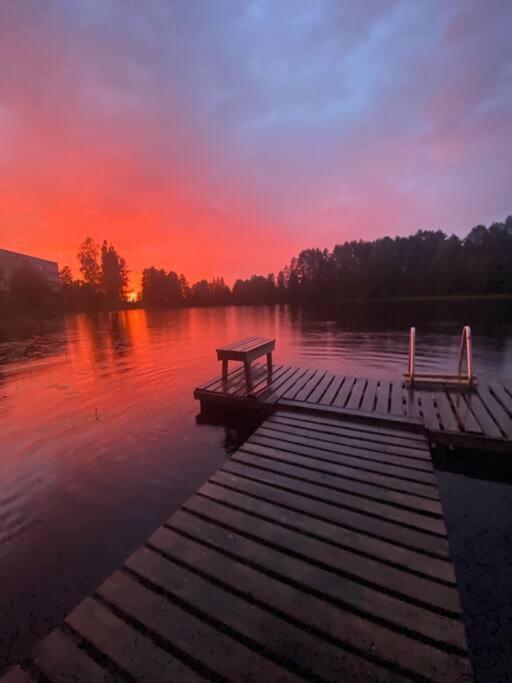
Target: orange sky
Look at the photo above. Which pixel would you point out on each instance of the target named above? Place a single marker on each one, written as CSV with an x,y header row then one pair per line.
x,y
221,138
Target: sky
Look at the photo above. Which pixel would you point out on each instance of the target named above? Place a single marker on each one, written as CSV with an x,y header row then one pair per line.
x,y
221,137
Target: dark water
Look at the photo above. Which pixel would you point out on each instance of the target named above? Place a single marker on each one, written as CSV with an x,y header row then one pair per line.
x,y
99,444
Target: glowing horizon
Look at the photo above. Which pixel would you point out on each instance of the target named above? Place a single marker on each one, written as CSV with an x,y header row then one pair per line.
x,y
220,139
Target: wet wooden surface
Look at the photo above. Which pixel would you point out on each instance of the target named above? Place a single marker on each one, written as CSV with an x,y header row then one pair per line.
x,y
317,552
480,417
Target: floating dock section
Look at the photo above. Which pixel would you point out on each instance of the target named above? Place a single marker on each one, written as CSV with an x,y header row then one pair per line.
x,y
475,417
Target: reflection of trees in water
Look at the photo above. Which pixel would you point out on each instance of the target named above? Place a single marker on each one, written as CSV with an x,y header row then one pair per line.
x,y
486,316
105,336
120,333
28,338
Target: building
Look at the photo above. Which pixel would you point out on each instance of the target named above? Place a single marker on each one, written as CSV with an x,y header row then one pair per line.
x,y
10,261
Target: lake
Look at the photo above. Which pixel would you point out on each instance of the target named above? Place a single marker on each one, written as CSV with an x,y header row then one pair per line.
x,y
100,444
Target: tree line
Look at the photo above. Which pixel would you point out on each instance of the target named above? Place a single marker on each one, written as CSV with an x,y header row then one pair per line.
x,y
428,263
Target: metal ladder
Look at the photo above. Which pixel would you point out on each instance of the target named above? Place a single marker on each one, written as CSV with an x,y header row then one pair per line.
x,y
462,379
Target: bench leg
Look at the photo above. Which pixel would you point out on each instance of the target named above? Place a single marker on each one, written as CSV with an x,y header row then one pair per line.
x,y
269,366
224,370
247,366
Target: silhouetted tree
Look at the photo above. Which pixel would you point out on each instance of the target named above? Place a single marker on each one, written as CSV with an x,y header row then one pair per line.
x,y
114,275
88,254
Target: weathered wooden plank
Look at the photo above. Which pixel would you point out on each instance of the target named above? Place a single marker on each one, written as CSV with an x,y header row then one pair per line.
x,y
356,393
485,421
464,414
416,448
397,398
320,491
332,391
413,424
301,382
60,659
319,657
399,477
288,372
369,395
503,392
383,394
258,373
321,388
310,385
496,408
203,642
448,419
429,410
275,391
261,381
411,403
16,675
290,644
398,582
397,454
341,397
363,530
133,652
336,589
287,462
387,434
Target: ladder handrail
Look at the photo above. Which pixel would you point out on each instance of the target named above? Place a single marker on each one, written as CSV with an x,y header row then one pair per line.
x,y
465,343
466,335
412,353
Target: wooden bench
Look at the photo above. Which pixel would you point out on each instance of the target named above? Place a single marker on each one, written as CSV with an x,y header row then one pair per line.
x,y
246,350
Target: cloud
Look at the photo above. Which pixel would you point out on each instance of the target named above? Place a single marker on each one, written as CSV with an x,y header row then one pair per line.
x,y
222,137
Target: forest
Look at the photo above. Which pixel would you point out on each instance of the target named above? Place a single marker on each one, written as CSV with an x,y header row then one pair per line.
x,y
426,264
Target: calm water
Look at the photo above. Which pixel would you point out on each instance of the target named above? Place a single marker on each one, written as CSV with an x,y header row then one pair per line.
x,y
99,444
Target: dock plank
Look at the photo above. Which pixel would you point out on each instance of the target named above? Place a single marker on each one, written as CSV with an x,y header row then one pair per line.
x,y
388,452
373,460
344,392
496,407
370,528
373,438
319,490
302,455
59,658
190,633
369,640
321,388
334,589
369,395
281,461
297,649
448,420
383,395
397,398
356,394
394,581
464,414
332,391
134,653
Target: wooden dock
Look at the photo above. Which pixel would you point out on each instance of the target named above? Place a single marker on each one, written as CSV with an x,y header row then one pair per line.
x,y
477,417
318,552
